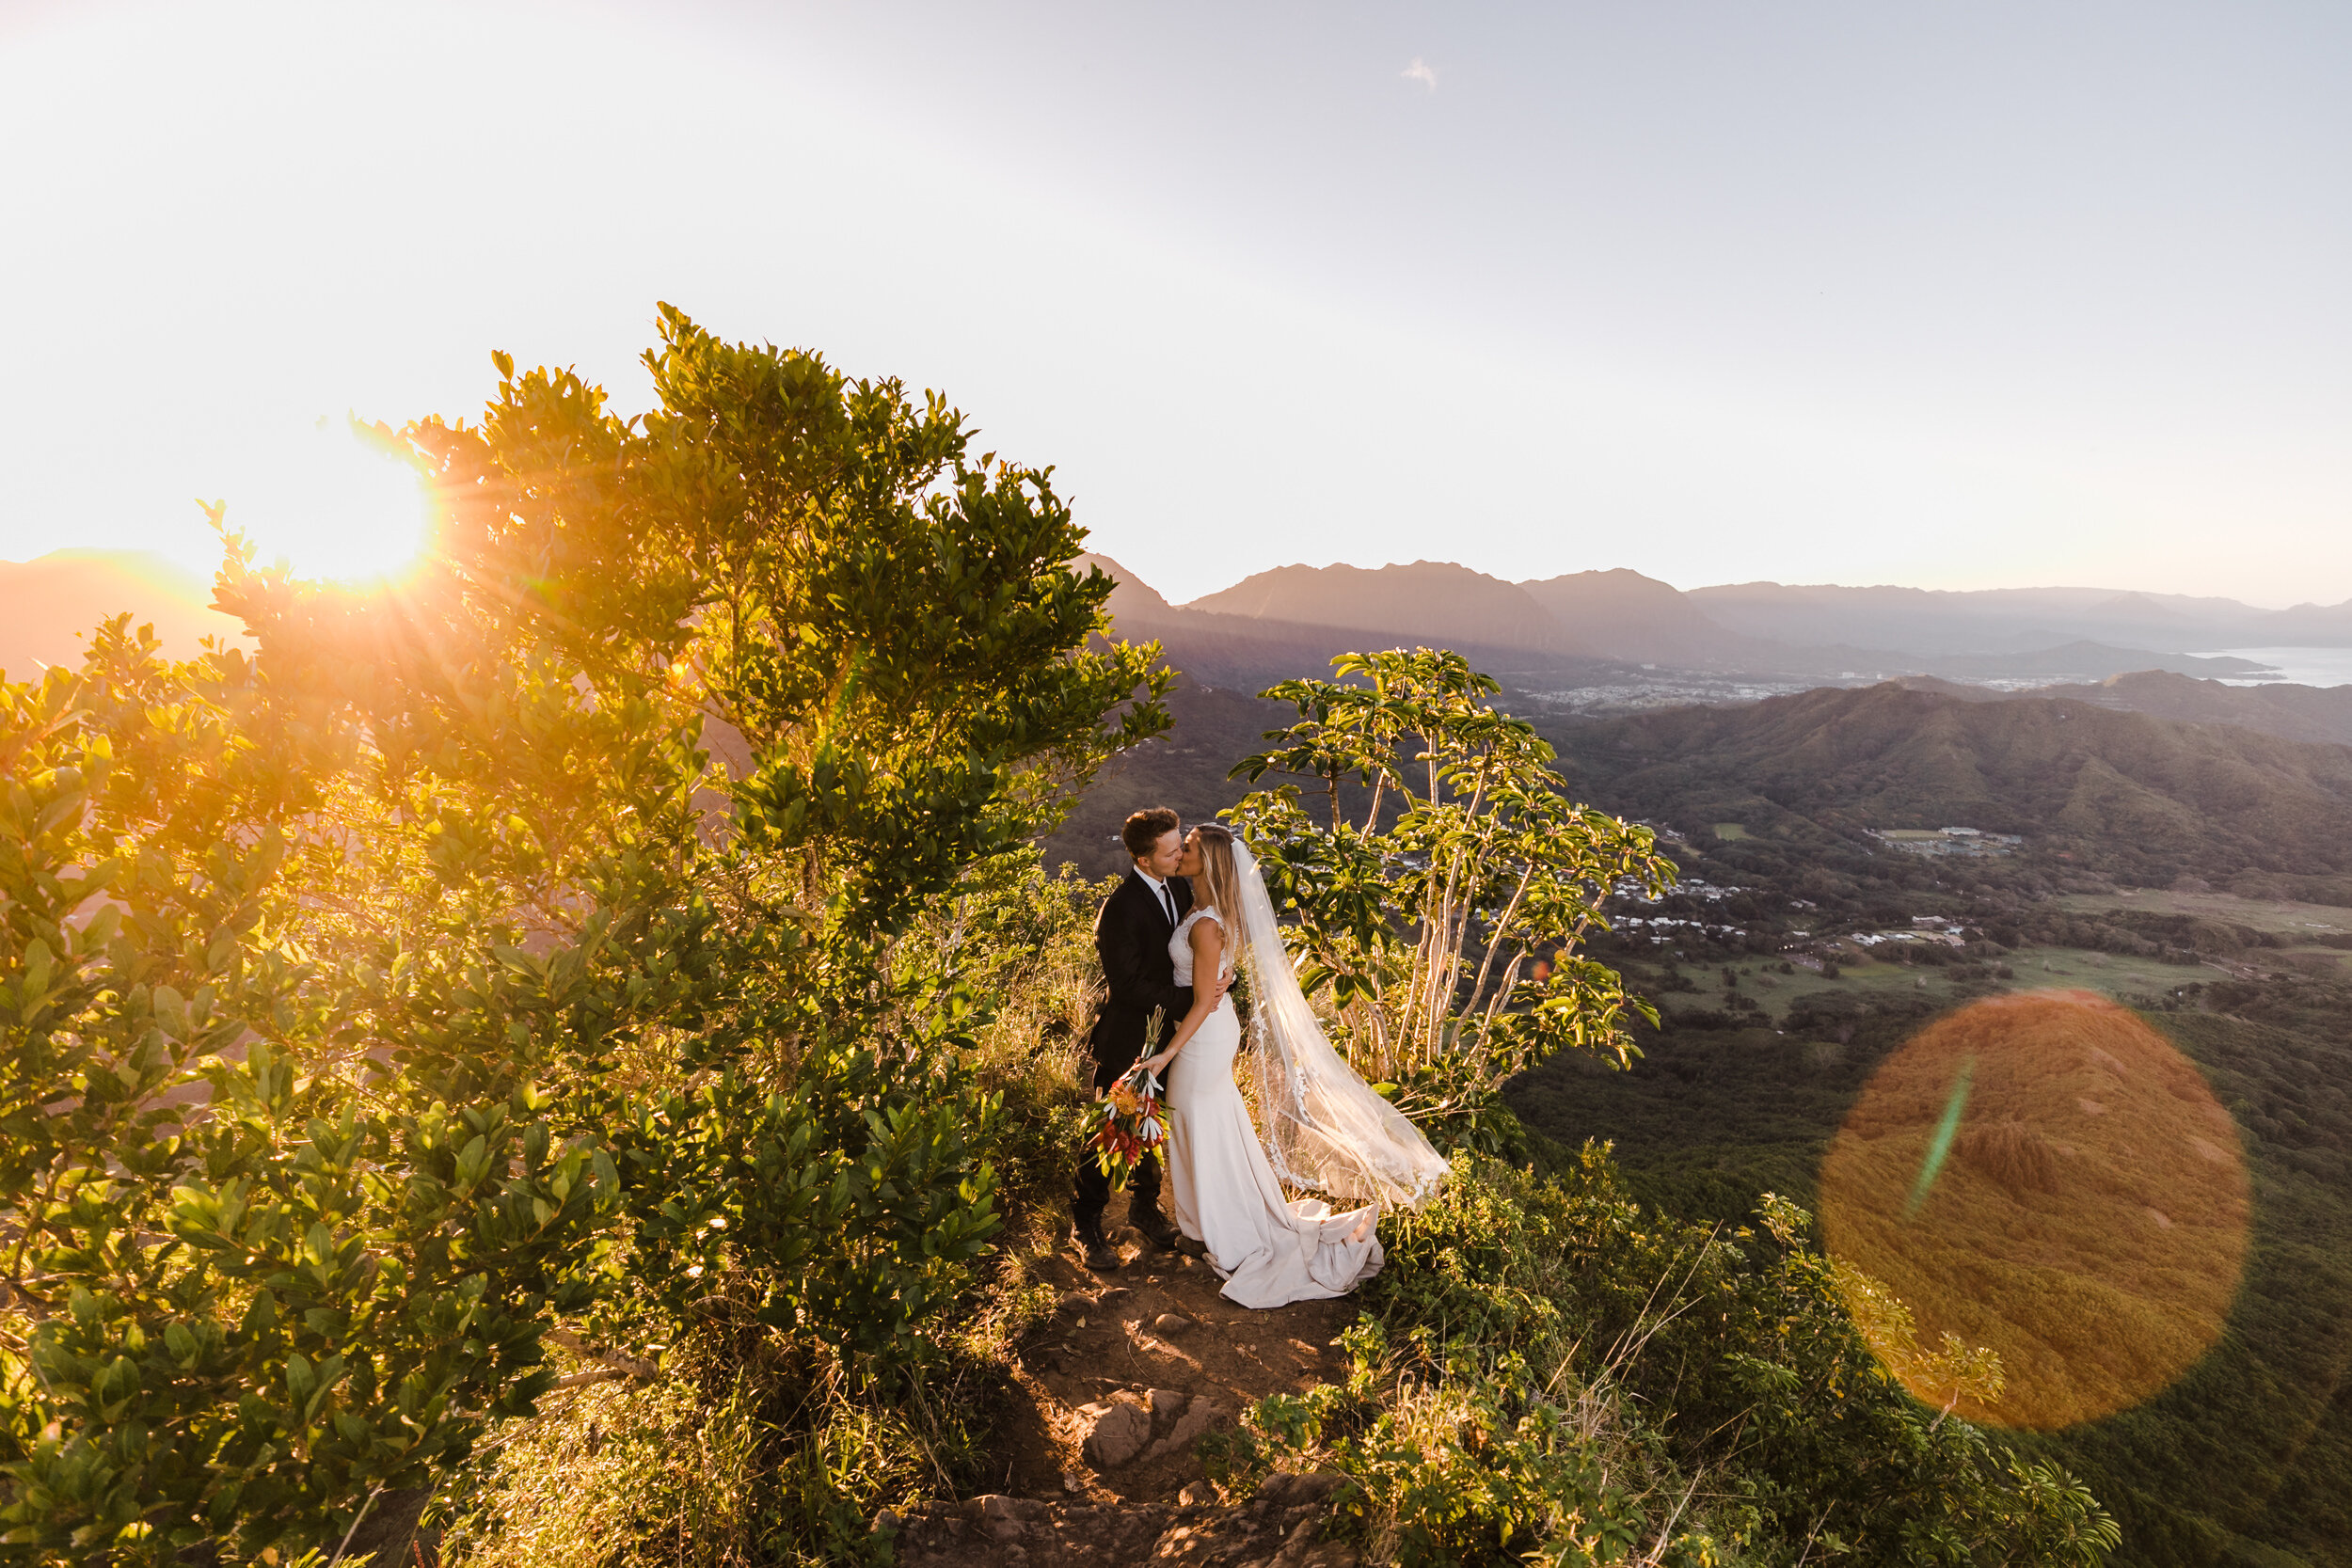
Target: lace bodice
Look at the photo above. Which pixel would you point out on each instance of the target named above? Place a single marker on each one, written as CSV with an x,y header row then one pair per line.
x,y
1179,945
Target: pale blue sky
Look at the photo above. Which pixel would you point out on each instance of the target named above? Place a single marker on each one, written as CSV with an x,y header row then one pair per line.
x,y
2000,294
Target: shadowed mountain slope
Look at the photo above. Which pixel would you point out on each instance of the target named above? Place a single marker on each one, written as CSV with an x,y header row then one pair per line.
x,y
1936,622
2092,660
2321,714
2309,625
2141,797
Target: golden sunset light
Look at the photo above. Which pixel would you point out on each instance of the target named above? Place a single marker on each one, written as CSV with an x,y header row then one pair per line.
x,y
335,507
1053,786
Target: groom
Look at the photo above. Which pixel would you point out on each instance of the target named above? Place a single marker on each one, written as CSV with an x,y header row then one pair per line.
x,y
1132,935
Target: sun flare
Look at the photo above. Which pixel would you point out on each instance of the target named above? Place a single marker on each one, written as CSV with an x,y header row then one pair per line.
x,y
337,507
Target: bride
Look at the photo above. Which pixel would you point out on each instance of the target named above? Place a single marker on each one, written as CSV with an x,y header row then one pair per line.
x,y
1324,1130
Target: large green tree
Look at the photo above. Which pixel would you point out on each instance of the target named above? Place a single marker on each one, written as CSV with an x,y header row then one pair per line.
x,y
380,1002
1443,880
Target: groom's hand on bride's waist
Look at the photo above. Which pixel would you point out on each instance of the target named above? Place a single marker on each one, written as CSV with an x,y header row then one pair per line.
x,y
1218,988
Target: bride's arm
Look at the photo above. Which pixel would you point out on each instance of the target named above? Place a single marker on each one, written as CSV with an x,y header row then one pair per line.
x,y
1208,954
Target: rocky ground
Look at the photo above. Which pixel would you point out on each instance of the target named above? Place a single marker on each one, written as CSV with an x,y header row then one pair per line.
x,y
1133,1370
1281,1527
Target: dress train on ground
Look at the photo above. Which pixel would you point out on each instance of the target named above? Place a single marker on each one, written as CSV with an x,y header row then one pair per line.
x,y
1267,1248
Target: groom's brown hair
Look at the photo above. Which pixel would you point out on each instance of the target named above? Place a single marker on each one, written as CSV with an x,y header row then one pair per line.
x,y
1146,827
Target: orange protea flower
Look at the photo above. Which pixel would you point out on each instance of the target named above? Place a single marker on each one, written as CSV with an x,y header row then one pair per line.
x,y
1129,1123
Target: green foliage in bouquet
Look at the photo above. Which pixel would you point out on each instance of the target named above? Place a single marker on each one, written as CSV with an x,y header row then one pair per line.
x,y
1442,885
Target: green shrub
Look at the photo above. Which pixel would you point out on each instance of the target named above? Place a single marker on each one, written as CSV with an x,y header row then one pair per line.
x,y
1548,1370
763,1448
1443,929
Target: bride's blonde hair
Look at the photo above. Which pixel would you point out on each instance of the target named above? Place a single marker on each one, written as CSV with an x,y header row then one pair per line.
x,y
1220,882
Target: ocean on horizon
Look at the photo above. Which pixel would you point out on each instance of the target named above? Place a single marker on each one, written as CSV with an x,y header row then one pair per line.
x,y
2301,666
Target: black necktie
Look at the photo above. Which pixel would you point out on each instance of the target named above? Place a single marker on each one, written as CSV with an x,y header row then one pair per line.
x,y
1168,903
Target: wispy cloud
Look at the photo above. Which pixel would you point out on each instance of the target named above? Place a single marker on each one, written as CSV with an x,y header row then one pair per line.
x,y
1421,72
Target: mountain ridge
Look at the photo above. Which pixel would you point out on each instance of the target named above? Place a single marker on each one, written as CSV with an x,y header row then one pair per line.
x,y
1274,623
1822,631
1435,602
1220,649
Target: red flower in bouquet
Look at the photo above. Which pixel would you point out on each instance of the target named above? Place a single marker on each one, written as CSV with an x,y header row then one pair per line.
x,y
1130,1124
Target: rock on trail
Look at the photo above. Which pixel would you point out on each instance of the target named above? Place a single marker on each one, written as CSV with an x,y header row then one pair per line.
x,y
1113,1391
1281,1527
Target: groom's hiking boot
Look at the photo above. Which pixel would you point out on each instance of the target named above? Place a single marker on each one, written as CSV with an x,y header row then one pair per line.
x,y
1098,1253
1153,1227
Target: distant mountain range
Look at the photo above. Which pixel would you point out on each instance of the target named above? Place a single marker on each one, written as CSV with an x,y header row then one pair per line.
x,y
1595,629
2113,758
1763,628
1291,617
1580,630
1278,629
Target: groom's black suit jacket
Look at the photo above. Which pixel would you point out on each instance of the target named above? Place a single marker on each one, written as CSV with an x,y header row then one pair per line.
x,y
1131,933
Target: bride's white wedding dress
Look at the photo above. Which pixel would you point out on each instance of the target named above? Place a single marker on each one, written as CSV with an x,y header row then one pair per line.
x,y
1268,1249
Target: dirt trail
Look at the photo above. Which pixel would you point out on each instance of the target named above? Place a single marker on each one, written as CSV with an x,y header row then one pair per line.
x,y
1148,1358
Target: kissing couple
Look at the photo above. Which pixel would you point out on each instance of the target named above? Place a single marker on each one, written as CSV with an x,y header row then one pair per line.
x,y
1194,906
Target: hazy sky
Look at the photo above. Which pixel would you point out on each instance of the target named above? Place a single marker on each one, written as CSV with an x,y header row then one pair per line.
x,y
1961,296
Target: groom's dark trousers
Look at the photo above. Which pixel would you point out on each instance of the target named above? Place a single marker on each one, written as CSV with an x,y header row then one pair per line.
x,y
1131,934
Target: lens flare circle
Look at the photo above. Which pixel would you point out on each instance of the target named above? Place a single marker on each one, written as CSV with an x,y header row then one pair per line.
x,y
2085,1218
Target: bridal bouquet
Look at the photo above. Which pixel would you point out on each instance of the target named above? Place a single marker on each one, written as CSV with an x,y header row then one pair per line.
x,y
1131,1123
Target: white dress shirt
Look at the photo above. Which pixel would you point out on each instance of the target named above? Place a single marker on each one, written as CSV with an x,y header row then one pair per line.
x,y
1159,889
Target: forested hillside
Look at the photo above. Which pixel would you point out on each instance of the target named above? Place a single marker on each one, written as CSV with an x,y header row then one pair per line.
x,y
2137,797
1759,1062
2311,713
1787,987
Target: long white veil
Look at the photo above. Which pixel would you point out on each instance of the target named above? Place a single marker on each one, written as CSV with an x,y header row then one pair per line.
x,y
1324,1130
